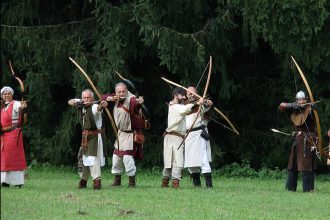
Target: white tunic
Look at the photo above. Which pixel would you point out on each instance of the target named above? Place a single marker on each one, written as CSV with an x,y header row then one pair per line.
x,y
195,144
123,123
176,123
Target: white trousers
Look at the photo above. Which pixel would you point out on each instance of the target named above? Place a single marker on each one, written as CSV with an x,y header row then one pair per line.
x,y
92,165
120,164
175,172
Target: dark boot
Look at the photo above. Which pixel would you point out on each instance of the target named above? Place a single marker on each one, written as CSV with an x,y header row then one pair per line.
x,y
175,183
165,182
82,184
5,184
291,181
117,181
97,184
196,179
19,186
131,181
208,180
308,181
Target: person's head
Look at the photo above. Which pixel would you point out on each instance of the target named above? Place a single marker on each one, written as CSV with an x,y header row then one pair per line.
x,y
121,90
301,97
179,95
191,97
87,96
7,93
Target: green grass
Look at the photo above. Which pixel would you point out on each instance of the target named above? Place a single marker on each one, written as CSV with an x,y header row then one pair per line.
x,y
53,194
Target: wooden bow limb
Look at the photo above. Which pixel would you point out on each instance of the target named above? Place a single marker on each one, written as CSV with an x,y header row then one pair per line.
x,y
114,127
200,106
21,84
216,109
319,143
229,122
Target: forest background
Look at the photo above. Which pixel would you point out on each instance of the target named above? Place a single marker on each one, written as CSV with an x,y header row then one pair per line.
x,y
250,41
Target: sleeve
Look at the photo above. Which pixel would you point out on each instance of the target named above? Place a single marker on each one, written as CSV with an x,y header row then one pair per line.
x,y
96,113
134,106
104,96
16,106
185,109
205,108
285,107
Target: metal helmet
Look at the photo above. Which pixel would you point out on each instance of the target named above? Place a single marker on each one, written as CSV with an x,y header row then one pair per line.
x,y
301,95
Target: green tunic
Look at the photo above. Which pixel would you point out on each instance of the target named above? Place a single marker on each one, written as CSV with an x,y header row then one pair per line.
x,y
87,121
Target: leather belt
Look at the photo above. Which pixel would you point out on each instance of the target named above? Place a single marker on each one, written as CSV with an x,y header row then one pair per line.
x,y
202,127
86,133
173,133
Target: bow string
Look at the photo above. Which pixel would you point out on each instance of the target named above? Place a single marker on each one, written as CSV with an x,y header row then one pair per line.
x,y
319,143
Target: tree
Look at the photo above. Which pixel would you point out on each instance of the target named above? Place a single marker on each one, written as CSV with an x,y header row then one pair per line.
x,y
251,43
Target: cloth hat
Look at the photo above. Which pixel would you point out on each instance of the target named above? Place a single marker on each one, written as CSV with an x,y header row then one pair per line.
x,y
7,89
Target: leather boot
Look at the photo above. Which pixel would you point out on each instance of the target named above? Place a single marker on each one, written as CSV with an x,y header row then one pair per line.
x,y
82,184
196,179
97,184
165,182
117,181
208,180
175,183
131,181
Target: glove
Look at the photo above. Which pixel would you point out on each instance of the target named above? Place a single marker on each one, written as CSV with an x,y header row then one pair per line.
x,y
314,106
295,106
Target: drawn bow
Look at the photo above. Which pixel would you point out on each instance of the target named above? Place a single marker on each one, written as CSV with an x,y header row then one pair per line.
x,y
214,108
114,127
200,106
319,144
21,84
202,97
146,113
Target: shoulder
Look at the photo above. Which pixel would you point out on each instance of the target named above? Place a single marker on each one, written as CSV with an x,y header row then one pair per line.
x,y
94,108
16,103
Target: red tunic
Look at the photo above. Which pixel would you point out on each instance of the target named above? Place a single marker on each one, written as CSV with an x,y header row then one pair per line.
x,y
12,151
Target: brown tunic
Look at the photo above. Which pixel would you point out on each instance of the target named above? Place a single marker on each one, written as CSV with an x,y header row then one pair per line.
x,y
304,138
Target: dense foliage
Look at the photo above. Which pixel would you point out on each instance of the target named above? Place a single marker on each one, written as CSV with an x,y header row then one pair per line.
x,y
250,41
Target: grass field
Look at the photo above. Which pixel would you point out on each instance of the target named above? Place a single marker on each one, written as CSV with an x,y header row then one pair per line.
x,y
53,194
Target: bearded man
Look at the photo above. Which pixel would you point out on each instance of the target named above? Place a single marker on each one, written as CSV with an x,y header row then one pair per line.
x,y
173,137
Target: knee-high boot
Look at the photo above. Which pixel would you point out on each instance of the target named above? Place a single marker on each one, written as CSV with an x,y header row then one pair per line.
x,y
196,179
208,180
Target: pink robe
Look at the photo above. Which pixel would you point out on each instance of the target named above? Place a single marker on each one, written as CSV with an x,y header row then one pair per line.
x,y
12,151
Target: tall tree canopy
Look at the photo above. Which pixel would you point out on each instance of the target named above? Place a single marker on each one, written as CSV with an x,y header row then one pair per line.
x,y
250,41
